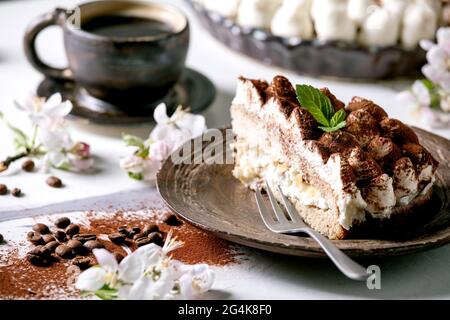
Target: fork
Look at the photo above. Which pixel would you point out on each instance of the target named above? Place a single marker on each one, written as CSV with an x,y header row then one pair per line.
x,y
295,224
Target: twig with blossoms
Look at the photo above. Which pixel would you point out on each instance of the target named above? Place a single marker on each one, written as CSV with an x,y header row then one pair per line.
x,y
50,138
146,274
432,95
167,136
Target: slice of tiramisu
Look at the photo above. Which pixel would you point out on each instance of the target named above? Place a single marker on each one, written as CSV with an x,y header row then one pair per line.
x,y
339,165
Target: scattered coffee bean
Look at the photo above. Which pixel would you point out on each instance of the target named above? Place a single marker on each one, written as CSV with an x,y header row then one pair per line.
x,y
93,244
82,262
16,192
142,242
119,257
41,228
156,238
83,237
1,238
76,246
123,230
60,236
48,238
63,251
138,236
45,251
134,231
150,228
37,260
35,238
3,189
172,220
52,245
62,222
117,238
28,165
72,230
54,182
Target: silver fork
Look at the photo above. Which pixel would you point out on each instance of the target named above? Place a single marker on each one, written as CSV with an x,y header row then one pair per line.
x,y
295,224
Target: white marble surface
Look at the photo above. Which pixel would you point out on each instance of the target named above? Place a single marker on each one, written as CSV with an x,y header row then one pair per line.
x,y
263,275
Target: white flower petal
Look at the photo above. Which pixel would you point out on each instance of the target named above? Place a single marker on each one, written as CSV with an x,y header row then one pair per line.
x,y
131,268
53,101
142,289
161,132
59,111
426,44
91,280
106,259
151,168
437,57
196,124
443,38
160,114
159,150
422,93
132,164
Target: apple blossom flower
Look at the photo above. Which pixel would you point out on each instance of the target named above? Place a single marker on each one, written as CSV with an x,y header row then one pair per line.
x,y
40,109
146,274
167,136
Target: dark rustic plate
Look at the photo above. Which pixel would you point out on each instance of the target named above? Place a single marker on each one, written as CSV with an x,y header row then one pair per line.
x,y
313,57
194,91
209,197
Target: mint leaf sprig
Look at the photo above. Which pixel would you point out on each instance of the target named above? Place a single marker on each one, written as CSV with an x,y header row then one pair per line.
x,y
320,107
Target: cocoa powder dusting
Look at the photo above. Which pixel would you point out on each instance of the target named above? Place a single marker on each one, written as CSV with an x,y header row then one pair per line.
x,y
21,280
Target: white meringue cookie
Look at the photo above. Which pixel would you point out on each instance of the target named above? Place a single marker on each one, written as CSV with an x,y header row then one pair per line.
x,y
395,7
419,22
331,20
380,28
358,10
257,13
227,8
293,19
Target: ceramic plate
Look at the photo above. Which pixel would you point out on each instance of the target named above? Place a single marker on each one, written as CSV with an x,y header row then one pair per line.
x,y
209,197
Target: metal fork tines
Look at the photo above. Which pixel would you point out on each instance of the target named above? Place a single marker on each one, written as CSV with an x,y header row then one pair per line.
x,y
278,221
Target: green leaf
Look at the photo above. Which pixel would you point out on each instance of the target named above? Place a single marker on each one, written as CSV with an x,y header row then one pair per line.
x,y
318,104
135,176
334,128
133,141
338,117
106,293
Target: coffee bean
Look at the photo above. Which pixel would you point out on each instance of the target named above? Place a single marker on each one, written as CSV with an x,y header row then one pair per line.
x,y
83,237
150,228
82,262
62,222
93,244
48,238
119,257
72,230
138,236
3,189
142,242
134,231
16,192
28,165
35,238
117,238
172,220
156,238
60,235
1,238
37,260
36,250
45,251
41,228
64,251
75,245
54,182
123,230
52,245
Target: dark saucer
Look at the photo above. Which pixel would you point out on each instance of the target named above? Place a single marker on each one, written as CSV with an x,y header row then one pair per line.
x,y
193,91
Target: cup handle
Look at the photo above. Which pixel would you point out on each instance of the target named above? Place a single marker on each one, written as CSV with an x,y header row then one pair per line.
x,y
56,17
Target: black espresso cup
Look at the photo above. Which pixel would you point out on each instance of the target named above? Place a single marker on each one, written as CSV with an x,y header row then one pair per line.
x,y
128,53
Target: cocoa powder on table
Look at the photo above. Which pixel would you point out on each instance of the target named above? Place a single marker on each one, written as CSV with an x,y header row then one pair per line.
x,y
21,280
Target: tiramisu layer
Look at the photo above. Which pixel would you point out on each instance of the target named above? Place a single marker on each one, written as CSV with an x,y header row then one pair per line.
x,y
373,166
